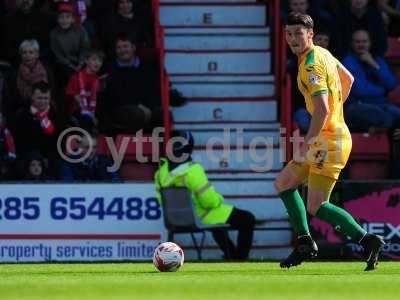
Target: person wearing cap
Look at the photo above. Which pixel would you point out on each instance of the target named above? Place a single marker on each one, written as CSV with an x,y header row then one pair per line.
x,y
209,205
69,44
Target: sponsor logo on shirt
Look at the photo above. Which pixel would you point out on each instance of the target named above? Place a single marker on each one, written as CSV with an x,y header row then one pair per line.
x,y
313,79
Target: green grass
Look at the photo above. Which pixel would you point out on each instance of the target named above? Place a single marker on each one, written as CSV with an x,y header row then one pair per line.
x,y
214,281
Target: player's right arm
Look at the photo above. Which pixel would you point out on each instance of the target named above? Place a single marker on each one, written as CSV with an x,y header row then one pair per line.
x,y
346,80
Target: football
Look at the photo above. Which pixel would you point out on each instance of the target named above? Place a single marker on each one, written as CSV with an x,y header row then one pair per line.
x,y
168,257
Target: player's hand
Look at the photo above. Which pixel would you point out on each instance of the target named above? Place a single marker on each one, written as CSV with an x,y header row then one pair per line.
x,y
369,59
300,154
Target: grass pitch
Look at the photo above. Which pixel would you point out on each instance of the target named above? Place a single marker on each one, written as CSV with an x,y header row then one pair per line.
x,y
212,281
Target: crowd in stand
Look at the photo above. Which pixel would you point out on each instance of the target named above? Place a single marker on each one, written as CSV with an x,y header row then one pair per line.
x,y
356,32
72,63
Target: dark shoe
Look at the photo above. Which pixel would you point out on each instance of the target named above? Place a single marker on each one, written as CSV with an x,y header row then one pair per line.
x,y
306,249
372,247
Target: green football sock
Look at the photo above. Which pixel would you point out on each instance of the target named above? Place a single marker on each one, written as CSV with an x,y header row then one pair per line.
x,y
341,220
296,210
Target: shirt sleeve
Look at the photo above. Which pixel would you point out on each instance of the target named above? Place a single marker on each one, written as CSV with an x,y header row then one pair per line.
x,y
316,79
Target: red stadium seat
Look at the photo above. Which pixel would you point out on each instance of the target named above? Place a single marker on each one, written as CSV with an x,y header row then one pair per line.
x,y
394,96
370,146
148,53
368,170
135,148
137,171
370,156
102,147
393,52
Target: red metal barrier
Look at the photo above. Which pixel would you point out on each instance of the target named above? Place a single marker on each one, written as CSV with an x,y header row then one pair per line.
x,y
287,115
275,9
282,79
164,81
155,9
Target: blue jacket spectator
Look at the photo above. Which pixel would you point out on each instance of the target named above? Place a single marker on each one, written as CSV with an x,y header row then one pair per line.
x,y
368,105
88,166
371,84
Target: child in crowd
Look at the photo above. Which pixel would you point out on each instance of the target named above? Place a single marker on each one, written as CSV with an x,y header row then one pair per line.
x,y
69,43
82,92
35,168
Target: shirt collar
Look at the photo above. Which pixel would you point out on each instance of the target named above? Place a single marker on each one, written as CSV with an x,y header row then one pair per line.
x,y
304,55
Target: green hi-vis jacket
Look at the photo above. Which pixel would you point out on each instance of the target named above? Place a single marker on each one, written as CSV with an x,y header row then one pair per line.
x,y
208,202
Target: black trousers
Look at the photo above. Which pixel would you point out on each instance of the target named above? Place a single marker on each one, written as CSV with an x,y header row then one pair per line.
x,y
244,222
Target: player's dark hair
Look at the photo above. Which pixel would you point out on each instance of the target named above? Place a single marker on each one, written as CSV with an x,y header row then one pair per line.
x,y
300,19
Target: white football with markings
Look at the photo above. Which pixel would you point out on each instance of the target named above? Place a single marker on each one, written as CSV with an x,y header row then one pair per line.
x,y
168,257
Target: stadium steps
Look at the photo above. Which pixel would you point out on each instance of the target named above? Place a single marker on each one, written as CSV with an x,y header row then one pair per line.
x,y
218,55
244,61
263,109
213,14
217,38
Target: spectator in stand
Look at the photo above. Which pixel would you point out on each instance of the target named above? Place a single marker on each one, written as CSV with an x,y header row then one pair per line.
x,y
69,43
179,171
131,100
368,105
82,92
36,128
25,23
93,167
391,15
360,15
35,168
18,88
322,38
315,9
127,20
81,12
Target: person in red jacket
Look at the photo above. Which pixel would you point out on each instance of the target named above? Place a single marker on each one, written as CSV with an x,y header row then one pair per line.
x,y
82,92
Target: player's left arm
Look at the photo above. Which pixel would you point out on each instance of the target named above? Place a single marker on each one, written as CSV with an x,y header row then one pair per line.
x,y
319,116
318,87
346,80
